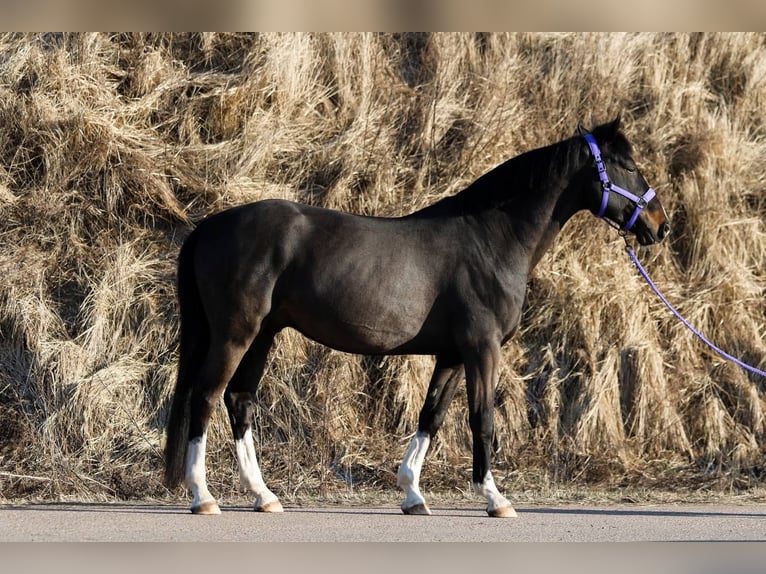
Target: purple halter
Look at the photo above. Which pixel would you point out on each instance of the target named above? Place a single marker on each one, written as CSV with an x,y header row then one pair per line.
x,y
641,202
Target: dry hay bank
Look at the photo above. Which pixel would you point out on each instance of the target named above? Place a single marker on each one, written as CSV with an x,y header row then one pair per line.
x,y
111,146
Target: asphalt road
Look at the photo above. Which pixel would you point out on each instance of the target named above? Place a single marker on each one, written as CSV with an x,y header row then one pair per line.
x,y
693,528
154,523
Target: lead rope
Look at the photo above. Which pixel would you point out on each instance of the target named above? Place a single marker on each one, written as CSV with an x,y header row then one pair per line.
x,y
698,334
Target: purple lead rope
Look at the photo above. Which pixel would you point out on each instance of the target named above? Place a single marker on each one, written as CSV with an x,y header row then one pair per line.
x,y
699,335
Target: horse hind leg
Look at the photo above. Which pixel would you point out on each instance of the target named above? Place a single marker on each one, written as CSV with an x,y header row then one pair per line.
x,y
216,371
441,391
239,399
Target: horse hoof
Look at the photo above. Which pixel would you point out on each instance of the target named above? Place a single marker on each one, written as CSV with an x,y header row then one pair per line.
x,y
273,506
502,512
206,508
417,510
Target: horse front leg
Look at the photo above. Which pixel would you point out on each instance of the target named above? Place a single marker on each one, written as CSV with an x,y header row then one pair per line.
x,y
441,391
481,378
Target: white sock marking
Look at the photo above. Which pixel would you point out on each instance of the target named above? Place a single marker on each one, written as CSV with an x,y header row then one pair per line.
x,y
489,491
408,476
249,471
195,471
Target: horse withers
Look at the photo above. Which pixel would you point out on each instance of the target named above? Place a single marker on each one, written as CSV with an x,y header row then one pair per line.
x,y
448,281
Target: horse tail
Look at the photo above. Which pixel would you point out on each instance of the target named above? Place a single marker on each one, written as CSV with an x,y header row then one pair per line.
x,y
194,340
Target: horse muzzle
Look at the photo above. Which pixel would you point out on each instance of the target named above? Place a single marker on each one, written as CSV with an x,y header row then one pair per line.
x,y
654,227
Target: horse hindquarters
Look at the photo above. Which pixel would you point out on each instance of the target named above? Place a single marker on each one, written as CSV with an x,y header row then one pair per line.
x,y
208,359
205,366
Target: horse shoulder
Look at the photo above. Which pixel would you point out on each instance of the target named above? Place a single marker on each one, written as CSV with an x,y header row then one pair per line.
x,y
488,297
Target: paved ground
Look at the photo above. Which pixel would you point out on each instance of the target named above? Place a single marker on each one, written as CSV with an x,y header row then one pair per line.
x,y
152,523
692,530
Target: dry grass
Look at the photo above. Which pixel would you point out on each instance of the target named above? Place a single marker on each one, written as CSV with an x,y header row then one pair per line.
x,y
111,145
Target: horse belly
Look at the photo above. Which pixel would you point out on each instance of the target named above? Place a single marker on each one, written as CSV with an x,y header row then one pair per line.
x,y
368,313
359,326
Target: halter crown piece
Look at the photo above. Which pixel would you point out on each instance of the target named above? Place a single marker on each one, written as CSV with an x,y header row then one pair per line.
x,y
608,186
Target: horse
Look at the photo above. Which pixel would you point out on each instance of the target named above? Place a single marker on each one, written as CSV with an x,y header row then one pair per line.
x,y
448,280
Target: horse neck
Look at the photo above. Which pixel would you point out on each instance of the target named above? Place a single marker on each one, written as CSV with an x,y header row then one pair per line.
x,y
544,195
562,211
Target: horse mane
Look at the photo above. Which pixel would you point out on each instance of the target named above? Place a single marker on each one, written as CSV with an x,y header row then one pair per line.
x,y
512,182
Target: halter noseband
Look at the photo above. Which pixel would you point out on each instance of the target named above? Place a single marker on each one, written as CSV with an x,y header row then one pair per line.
x,y
607,186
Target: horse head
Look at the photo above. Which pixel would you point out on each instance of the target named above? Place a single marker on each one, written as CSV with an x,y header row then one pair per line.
x,y
618,192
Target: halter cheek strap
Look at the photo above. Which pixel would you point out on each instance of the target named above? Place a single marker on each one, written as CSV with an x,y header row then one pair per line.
x,y
608,186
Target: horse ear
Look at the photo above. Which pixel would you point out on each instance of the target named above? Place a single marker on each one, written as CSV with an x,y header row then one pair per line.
x,y
615,124
609,130
581,129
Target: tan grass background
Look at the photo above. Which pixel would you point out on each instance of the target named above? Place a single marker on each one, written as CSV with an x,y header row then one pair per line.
x,y
111,146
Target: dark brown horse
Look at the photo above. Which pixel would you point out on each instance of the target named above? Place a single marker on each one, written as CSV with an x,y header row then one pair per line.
x,y
448,281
